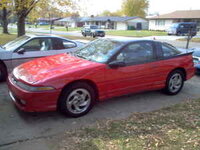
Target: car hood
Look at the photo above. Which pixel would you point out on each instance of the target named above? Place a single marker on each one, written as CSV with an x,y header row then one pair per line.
x,y
42,69
1,49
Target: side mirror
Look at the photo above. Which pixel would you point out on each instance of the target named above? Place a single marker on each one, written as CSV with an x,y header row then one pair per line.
x,y
21,51
69,45
116,64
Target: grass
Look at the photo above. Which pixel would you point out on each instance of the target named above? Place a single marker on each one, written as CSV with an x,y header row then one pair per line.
x,y
192,40
64,29
4,38
135,33
56,28
172,128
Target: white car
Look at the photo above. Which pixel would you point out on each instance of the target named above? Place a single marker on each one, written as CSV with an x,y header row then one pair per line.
x,y
28,47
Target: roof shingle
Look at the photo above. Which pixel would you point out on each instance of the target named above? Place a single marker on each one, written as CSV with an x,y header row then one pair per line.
x,y
180,14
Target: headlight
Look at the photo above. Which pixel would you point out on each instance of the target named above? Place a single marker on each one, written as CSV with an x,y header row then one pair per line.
x,y
196,60
32,88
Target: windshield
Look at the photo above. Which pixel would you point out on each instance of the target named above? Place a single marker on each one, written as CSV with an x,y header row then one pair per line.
x,y
99,50
196,53
93,27
12,45
174,25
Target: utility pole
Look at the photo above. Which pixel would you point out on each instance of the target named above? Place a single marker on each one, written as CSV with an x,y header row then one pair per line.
x,y
190,35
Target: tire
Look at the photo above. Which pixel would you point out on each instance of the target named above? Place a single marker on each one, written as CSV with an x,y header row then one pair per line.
x,y
178,34
93,35
72,96
84,34
174,82
3,72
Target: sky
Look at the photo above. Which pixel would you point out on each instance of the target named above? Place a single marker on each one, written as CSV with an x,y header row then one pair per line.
x,y
94,7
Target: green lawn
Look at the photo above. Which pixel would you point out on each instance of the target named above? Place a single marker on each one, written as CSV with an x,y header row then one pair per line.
x,y
64,29
135,33
172,128
192,40
55,28
4,38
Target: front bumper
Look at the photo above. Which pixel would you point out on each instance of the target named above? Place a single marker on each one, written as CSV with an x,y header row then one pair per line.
x,y
33,101
197,70
100,34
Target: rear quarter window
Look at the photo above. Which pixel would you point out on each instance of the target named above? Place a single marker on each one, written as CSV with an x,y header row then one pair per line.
x,y
169,50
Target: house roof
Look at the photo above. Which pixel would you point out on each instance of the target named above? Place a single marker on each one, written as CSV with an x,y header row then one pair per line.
x,y
180,14
69,19
98,18
48,19
106,18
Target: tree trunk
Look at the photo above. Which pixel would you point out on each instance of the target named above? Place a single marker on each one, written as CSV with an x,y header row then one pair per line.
x,y
21,26
5,20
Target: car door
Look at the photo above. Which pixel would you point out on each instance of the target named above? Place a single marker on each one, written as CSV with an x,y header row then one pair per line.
x,y
40,47
34,48
136,75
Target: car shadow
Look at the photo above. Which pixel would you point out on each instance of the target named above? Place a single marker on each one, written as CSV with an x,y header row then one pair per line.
x,y
106,109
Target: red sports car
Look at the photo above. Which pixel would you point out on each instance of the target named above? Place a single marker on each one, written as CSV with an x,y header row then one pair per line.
x,y
102,69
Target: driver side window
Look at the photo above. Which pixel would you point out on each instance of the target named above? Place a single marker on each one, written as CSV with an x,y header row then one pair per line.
x,y
37,45
136,53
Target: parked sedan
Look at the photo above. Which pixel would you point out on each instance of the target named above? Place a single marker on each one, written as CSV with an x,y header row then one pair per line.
x,y
92,30
196,58
102,69
28,47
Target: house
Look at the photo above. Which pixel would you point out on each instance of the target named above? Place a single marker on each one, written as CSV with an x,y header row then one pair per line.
x,y
47,20
70,22
117,23
163,22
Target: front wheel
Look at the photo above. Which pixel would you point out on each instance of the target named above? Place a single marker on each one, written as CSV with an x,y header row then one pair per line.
x,y
174,83
3,72
77,100
178,33
84,34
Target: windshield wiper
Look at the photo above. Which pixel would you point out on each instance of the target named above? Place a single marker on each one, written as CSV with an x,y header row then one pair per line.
x,y
81,56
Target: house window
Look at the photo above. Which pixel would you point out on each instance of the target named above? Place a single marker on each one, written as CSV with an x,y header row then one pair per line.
x,y
160,22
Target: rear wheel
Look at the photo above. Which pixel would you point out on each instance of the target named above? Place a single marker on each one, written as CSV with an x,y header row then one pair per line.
x,y
93,35
3,72
174,83
77,100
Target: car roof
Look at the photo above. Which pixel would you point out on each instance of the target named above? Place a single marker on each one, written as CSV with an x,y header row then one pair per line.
x,y
43,35
128,40
186,22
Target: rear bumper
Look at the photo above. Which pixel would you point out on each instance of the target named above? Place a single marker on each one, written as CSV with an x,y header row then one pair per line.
x,y
33,101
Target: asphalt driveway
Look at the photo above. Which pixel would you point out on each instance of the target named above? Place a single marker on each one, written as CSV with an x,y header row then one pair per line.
x,y
17,126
